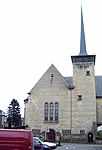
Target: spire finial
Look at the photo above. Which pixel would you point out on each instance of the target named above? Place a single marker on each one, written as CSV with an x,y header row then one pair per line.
x,y
82,38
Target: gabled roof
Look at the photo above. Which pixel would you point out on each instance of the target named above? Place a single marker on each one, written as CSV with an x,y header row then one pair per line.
x,y
69,81
50,73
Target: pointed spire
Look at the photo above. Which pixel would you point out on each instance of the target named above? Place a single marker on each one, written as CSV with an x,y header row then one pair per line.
x,y
82,38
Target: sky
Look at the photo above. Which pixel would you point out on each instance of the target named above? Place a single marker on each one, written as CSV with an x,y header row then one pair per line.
x,y
34,34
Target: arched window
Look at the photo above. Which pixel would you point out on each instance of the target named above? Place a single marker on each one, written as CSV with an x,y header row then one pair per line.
x,y
51,111
46,111
56,111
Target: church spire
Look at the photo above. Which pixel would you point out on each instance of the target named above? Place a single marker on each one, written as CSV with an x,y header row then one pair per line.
x,y
82,37
83,56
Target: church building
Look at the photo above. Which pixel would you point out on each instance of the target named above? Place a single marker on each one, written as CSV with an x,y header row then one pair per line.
x,y
67,107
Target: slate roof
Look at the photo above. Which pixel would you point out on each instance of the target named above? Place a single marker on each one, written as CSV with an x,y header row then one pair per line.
x,y
98,86
70,80
98,82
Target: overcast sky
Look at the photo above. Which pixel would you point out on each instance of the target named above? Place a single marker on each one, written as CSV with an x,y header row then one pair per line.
x,y
37,33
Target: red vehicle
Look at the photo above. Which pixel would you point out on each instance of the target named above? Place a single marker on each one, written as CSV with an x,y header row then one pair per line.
x,y
16,139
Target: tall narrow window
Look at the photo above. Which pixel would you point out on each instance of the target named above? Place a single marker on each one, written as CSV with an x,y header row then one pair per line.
x,y
46,112
56,111
51,111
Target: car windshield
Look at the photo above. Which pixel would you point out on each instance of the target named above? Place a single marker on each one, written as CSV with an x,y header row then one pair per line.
x,y
37,140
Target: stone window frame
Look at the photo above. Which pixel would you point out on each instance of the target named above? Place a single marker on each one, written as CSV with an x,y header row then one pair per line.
x,y
46,111
51,112
36,131
66,132
56,111
82,132
87,73
79,97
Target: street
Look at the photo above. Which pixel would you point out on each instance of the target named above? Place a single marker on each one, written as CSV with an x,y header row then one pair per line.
x,y
79,147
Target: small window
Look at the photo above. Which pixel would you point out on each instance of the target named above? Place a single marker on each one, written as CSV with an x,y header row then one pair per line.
x,y
87,73
36,131
82,132
52,75
66,132
79,97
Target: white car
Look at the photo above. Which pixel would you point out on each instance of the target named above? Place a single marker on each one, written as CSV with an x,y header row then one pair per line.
x,y
51,145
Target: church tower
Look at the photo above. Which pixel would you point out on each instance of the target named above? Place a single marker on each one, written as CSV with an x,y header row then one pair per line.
x,y
84,94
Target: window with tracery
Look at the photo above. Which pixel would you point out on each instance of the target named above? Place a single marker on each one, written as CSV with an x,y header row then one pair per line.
x,y
51,111
56,111
46,111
